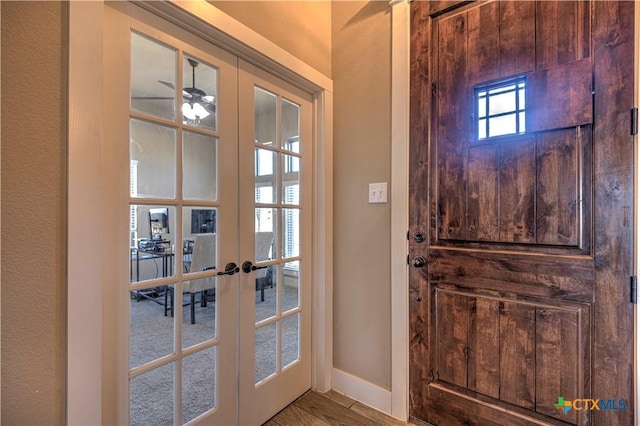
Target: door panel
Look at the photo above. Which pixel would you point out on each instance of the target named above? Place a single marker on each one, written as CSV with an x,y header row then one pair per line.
x,y
521,174
275,188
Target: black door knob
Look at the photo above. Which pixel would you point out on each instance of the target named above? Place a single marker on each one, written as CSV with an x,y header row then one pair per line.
x,y
248,266
418,262
419,237
230,269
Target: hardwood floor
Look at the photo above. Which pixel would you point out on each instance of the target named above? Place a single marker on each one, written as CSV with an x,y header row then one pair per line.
x,y
331,408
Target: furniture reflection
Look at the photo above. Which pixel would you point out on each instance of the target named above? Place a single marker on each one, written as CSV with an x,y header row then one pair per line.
x,y
203,257
264,241
161,253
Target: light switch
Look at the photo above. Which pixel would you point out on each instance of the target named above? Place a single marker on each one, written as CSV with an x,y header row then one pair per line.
x,y
377,192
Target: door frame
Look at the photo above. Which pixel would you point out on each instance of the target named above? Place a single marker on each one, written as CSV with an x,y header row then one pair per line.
x,y
400,46
92,394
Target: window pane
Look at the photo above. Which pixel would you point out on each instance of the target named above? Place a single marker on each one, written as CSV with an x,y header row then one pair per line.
x,y
199,94
503,125
153,78
266,120
482,107
151,397
482,128
266,351
198,383
290,339
291,286
290,126
152,230
153,156
200,169
265,178
505,102
291,233
291,179
267,282
265,220
150,325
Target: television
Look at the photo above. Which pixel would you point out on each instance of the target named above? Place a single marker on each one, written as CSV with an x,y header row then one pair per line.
x,y
203,221
158,222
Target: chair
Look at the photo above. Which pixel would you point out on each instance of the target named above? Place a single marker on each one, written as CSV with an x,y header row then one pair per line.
x,y
203,257
264,241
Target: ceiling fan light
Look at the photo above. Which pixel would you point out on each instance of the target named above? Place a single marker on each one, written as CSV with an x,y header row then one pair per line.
x,y
195,111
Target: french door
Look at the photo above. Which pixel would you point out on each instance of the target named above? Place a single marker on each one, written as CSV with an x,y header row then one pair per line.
x,y
211,157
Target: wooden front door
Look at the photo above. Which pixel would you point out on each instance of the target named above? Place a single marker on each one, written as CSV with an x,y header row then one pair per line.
x,y
521,213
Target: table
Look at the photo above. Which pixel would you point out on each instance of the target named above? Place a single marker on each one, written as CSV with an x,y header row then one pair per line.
x,y
152,294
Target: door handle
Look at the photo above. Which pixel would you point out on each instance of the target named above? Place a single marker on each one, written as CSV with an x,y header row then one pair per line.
x,y
248,266
418,262
230,269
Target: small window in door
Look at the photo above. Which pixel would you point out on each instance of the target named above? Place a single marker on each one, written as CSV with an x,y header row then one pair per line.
x,y
500,108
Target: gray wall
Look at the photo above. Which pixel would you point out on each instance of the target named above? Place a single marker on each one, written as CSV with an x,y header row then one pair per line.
x,y
33,232
361,70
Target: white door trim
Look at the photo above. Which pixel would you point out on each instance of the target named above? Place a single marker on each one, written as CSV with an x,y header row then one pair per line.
x,y
400,50
90,396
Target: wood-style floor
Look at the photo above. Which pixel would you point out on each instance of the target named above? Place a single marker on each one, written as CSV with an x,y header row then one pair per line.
x,y
331,408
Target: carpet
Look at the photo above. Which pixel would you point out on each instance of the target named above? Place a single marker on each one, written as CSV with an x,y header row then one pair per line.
x,y
151,393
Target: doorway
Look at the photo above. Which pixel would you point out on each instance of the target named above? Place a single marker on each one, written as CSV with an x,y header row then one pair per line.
x,y
214,312
521,229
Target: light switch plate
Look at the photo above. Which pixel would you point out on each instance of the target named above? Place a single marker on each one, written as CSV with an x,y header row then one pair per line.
x,y
377,193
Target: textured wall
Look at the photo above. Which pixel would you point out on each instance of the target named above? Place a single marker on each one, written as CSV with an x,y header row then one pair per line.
x,y
300,27
33,233
361,70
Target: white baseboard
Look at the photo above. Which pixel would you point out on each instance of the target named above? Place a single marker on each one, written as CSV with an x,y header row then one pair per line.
x,y
362,391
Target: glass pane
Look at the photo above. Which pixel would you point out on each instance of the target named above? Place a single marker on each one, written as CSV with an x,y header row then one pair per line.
x,y
151,231
482,129
290,126
266,293
199,300
265,177
198,383
197,220
290,339
199,94
482,106
291,180
522,125
265,113
266,220
266,351
200,171
153,160
151,397
150,325
290,233
290,286
153,78
199,307
503,125
504,102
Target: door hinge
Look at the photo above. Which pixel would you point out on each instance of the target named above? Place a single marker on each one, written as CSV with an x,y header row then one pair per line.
x,y
634,121
634,290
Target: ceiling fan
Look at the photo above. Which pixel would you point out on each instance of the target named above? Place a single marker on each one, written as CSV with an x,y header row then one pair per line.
x,y
196,103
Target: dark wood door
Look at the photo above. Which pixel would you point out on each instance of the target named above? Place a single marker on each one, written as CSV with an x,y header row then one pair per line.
x,y
521,180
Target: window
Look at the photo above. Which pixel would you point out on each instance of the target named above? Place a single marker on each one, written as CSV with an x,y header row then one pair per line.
x,y
500,108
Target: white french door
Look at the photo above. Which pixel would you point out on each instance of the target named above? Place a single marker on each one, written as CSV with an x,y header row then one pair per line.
x,y
212,161
275,191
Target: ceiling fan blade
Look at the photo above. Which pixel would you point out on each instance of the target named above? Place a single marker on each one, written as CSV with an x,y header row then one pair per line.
x,y
152,98
166,83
